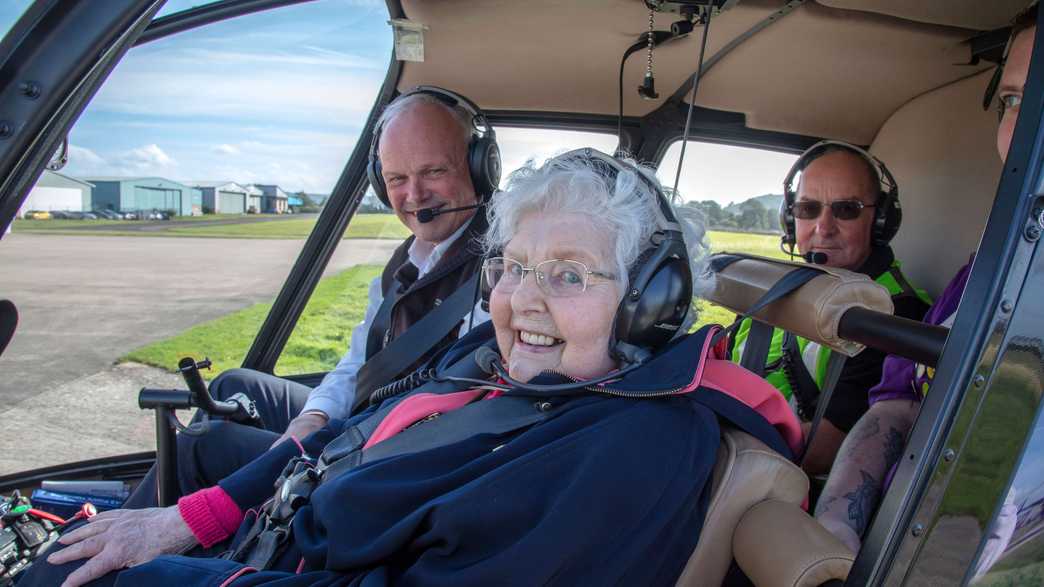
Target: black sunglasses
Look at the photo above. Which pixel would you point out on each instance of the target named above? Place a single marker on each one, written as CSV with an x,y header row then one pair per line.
x,y
841,209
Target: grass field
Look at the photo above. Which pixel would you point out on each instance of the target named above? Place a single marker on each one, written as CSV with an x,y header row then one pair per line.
x,y
362,226
319,339
263,226
322,335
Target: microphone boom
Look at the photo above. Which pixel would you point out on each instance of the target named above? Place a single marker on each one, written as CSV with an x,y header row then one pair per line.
x,y
426,215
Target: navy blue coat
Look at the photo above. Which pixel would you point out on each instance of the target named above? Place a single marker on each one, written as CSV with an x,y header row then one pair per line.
x,y
612,491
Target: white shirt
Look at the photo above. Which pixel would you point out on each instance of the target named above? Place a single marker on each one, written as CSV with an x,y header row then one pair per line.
x,y
335,395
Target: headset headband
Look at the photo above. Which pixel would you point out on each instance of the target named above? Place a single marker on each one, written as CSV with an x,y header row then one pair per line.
x,y
885,182
483,154
451,99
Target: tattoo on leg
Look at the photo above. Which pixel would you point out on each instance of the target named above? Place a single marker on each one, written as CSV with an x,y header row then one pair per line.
x,y
893,449
861,502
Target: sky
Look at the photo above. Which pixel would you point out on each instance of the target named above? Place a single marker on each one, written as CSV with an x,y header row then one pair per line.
x,y
281,97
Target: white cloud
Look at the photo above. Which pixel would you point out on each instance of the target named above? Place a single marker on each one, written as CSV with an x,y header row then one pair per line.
x,y
145,159
226,149
318,86
84,156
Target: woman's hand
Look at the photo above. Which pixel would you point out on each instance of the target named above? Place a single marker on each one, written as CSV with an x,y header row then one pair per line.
x,y
303,425
122,538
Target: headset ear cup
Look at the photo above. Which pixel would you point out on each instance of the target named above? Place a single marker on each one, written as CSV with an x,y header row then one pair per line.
x,y
888,219
786,220
373,173
658,298
484,164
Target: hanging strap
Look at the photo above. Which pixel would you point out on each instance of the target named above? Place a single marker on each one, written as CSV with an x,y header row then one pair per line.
x,y
756,348
835,364
782,288
402,352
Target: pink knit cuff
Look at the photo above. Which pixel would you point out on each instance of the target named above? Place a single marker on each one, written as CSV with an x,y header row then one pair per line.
x,y
210,514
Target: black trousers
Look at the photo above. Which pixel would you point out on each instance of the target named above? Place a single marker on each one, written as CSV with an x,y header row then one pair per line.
x,y
210,450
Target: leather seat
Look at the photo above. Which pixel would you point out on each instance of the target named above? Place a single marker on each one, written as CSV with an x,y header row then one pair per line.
x,y
747,473
779,545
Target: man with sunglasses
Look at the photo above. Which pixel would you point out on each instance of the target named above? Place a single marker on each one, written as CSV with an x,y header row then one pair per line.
x,y
843,213
866,461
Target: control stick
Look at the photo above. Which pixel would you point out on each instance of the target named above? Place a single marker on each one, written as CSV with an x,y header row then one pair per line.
x,y
238,408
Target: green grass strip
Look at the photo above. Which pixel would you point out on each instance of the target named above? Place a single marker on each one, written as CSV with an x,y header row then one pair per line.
x,y
319,339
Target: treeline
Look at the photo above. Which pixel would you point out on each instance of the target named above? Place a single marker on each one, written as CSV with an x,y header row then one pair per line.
x,y
749,215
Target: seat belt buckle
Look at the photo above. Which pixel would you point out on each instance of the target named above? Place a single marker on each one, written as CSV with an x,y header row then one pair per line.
x,y
294,488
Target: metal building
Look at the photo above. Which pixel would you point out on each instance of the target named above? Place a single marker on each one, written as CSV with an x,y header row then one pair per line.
x,y
138,194
273,199
223,197
56,191
254,196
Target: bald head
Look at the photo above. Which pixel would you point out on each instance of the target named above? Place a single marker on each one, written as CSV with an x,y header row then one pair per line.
x,y
423,153
837,175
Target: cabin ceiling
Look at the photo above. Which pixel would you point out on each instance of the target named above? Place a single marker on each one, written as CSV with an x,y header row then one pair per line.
x,y
832,68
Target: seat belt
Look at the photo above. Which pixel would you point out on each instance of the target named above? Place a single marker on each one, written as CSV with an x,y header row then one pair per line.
x,y
805,389
835,364
755,350
422,336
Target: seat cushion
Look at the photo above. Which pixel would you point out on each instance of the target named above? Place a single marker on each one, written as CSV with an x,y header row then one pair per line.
x,y
747,472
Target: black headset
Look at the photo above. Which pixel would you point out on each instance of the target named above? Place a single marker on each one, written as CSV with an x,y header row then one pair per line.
x,y
483,152
888,214
659,291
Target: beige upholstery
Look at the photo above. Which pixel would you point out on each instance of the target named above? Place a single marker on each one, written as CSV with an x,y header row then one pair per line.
x,y
813,311
747,473
819,71
779,545
981,14
941,148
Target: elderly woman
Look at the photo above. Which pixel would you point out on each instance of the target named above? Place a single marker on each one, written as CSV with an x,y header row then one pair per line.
x,y
538,474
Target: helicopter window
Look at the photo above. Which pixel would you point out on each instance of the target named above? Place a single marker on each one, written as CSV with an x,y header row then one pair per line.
x,y
737,190
10,12
194,177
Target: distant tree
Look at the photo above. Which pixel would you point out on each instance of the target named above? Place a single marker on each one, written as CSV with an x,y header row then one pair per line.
x,y
751,216
770,219
308,204
711,210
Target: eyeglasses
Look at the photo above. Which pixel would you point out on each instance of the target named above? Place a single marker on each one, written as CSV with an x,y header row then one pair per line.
x,y
555,277
841,209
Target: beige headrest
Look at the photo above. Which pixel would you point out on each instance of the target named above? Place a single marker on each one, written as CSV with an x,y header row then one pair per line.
x,y
812,312
777,544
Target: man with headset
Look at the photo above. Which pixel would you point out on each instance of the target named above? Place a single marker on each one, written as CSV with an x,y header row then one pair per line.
x,y
843,214
434,161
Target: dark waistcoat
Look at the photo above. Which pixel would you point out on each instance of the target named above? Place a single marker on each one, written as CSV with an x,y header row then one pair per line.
x,y
416,297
